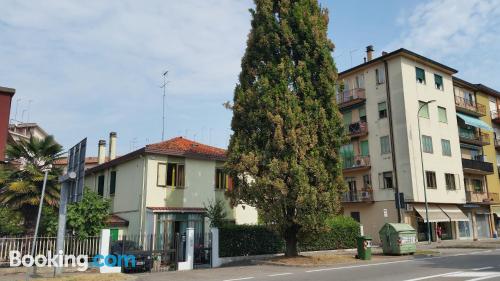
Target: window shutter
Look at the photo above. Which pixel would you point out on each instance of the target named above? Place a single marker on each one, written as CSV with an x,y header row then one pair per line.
x,y
438,79
382,106
362,112
442,115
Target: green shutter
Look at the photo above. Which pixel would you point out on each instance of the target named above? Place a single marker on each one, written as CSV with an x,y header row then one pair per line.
x,y
438,80
442,115
114,234
347,118
362,112
420,74
364,148
446,147
112,183
347,153
424,109
382,106
385,146
427,144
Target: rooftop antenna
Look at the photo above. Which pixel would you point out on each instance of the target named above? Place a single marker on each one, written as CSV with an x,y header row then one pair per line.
x,y
351,52
17,106
29,110
164,86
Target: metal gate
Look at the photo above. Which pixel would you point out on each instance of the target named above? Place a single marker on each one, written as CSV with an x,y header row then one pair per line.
x,y
203,250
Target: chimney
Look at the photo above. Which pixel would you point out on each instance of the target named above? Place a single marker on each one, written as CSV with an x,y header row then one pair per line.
x,y
112,146
384,53
101,152
369,53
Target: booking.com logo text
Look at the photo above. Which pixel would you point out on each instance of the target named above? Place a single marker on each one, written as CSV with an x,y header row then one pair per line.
x,y
80,261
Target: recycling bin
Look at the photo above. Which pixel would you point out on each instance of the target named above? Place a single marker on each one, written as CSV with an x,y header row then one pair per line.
x,y
398,239
364,244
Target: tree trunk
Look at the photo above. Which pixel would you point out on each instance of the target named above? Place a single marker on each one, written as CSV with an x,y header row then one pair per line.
x,y
291,241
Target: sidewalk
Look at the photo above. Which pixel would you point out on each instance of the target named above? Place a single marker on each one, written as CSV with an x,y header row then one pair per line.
x,y
489,243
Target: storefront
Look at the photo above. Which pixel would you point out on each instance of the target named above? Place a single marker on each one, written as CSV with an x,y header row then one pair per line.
x,y
480,226
495,210
446,217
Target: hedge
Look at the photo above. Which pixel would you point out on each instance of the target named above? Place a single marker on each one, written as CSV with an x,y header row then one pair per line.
x,y
246,240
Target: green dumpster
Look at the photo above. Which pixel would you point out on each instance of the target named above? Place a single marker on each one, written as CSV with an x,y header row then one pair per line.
x,y
398,239
364,247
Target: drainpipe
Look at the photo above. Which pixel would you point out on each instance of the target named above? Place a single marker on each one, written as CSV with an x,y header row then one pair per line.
x,y
391,137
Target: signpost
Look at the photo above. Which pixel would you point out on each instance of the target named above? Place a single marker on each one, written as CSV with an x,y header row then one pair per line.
x,y
71,191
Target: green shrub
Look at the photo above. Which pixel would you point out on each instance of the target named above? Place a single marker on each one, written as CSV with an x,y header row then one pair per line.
x,y
341,233
247,240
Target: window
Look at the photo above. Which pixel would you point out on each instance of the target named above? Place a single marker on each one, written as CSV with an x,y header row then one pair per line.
x,y
222,180
175,175
360,81
427,144
367,181
385,146
420,73
380,76
382,110
161,178
450,181
443,118
387,178
356,216
445,146
477,184
100,185
362,114
112,183
423,109
438,81
430,179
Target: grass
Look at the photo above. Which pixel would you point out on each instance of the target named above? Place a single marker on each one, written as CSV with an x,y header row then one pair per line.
x,y
427,252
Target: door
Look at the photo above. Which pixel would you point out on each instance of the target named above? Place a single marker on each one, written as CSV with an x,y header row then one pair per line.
x,y
483,227
114,234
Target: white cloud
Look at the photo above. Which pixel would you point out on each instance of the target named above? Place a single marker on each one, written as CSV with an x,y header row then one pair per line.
x,y
464,34
96,65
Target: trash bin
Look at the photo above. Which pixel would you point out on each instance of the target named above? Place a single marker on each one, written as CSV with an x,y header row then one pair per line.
x,y
398,239
364,247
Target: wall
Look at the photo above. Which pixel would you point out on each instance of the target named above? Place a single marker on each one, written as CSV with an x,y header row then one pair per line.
x,y
5,102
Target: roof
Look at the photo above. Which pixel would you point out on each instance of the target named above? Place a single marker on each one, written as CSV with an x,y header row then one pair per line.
x,y
178,146
176,210
476,87
114,220
88,160
6,90
403,52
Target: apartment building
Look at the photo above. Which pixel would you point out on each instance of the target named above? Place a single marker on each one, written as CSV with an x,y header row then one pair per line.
x,y
6,95
387,103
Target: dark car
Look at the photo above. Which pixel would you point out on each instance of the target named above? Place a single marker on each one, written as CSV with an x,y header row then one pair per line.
x,y
127,248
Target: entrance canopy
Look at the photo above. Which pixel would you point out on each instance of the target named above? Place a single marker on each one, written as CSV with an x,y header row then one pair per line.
x,y
454,213
435,213
474,122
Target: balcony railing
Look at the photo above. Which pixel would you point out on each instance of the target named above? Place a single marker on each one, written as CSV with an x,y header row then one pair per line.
x,y
495,116
470,106
477,166
481,196
474,137
351,97
357,129
356,162
365,195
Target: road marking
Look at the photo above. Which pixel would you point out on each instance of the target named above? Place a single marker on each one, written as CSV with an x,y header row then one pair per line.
x,y
244,278
473,274
361,265
483,268
485,277
433,276
280,274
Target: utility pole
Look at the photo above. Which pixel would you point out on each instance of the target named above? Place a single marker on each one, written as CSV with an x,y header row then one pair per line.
x,y
164,86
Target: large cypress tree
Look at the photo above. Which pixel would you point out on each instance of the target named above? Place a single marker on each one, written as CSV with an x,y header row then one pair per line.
x,y
284,153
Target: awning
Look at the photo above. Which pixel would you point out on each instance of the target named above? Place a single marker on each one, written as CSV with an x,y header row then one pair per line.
x,y
435,213
496,210
454,213
474,122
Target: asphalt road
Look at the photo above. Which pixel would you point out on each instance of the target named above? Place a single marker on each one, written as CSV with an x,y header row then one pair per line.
x,y
471,265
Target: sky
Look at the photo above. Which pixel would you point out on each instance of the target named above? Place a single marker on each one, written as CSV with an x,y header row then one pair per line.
x,y
86,68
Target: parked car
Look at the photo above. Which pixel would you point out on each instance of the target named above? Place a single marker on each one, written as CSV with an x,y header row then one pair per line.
x,y
143,261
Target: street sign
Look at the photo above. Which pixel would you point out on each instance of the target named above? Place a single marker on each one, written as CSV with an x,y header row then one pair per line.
x,y
386,215
76,164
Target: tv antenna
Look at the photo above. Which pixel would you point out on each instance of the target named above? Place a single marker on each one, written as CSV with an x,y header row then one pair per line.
x,y
164,86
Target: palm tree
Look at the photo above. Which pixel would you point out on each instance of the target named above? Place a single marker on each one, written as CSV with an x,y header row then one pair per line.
x,y
20,189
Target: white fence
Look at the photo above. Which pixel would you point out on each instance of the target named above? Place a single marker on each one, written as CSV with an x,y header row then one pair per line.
x,y
72,246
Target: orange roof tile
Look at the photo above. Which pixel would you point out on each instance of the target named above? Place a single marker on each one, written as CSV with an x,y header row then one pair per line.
x,y
188,148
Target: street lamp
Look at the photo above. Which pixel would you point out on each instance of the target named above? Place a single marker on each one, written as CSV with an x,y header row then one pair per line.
x,y
426,103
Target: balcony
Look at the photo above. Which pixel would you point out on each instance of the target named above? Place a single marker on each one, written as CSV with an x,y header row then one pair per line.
x,y
365,195
357,129
481,197
477,167
495,116
469,107
351,97
356,163
474,137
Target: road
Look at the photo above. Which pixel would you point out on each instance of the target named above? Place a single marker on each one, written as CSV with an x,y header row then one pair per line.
x,y
470,265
